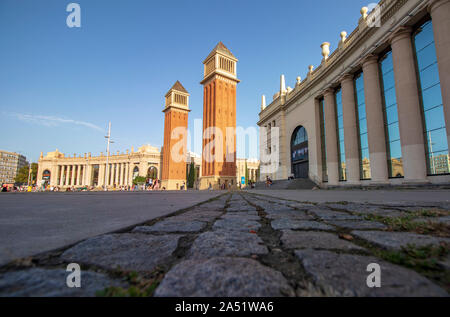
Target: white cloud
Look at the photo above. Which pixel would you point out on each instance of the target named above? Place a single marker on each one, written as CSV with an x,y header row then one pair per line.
x,y
51,121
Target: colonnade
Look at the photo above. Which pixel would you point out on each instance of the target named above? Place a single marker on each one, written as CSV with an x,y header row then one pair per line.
x,y
408,97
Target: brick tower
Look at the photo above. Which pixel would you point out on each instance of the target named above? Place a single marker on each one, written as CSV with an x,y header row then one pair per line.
x,y
174,153
219,111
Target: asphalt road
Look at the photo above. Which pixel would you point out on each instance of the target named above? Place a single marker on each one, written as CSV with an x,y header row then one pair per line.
x,y
31,223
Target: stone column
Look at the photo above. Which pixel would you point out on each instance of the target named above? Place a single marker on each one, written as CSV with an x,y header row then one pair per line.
x,y
284,155
67,175
130,177
376,134
83,175
78,175
72,180
54,175
113,174
331,137
105,178
440,15
318,141
101,174
121,174
409,108
351,136
127,167
61,175
117,173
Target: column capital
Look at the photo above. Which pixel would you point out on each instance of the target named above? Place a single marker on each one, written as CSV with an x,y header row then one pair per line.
x,y
400,33
346,78
370,59
434,4
328,91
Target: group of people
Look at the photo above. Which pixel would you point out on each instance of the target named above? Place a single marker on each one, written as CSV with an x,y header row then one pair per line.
x,y
153,184
23,188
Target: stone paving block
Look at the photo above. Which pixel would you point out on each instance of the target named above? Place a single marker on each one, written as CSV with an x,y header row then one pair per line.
x,y
223,277
129,251
397,240
326,214
241,208
241,215
172,225
288,213
315,240
226,243
369,209
236,224
197,215
355,224
300,205
220,208
346,275
37,282
285,223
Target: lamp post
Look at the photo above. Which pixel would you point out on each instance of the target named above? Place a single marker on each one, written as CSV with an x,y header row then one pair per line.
x,y
108,142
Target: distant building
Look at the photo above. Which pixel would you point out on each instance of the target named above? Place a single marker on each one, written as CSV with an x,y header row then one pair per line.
x,y
10,163
440,164
219,116
252,167
176,112
57,169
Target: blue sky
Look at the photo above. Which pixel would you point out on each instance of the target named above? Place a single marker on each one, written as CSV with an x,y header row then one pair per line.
x,y
60,86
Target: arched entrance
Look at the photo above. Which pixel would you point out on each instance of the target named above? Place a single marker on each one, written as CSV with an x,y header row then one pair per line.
x,y
152,172
46,177
299,153
135,172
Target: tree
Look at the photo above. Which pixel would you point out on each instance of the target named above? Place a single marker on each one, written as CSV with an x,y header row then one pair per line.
x,y
191,176
139,180
22,174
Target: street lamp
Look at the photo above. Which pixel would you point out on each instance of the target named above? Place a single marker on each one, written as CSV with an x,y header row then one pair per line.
x,y
108,142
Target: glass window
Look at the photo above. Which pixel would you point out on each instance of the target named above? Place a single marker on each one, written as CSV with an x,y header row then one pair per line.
x,y
323,141
393,145
433,111
364,158
340,136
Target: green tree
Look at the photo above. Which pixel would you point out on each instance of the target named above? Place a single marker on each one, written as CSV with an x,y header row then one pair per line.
x,y
139,180
22,173
191,176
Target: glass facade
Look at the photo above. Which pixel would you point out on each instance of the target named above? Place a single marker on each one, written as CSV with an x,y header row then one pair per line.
x,y
393,144
433,111
340,136
364,158
323,141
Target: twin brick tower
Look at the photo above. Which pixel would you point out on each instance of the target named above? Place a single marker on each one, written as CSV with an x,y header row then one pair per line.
x,y
218,168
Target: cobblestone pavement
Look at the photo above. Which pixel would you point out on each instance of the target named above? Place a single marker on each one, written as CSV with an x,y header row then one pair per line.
x,y
244,244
